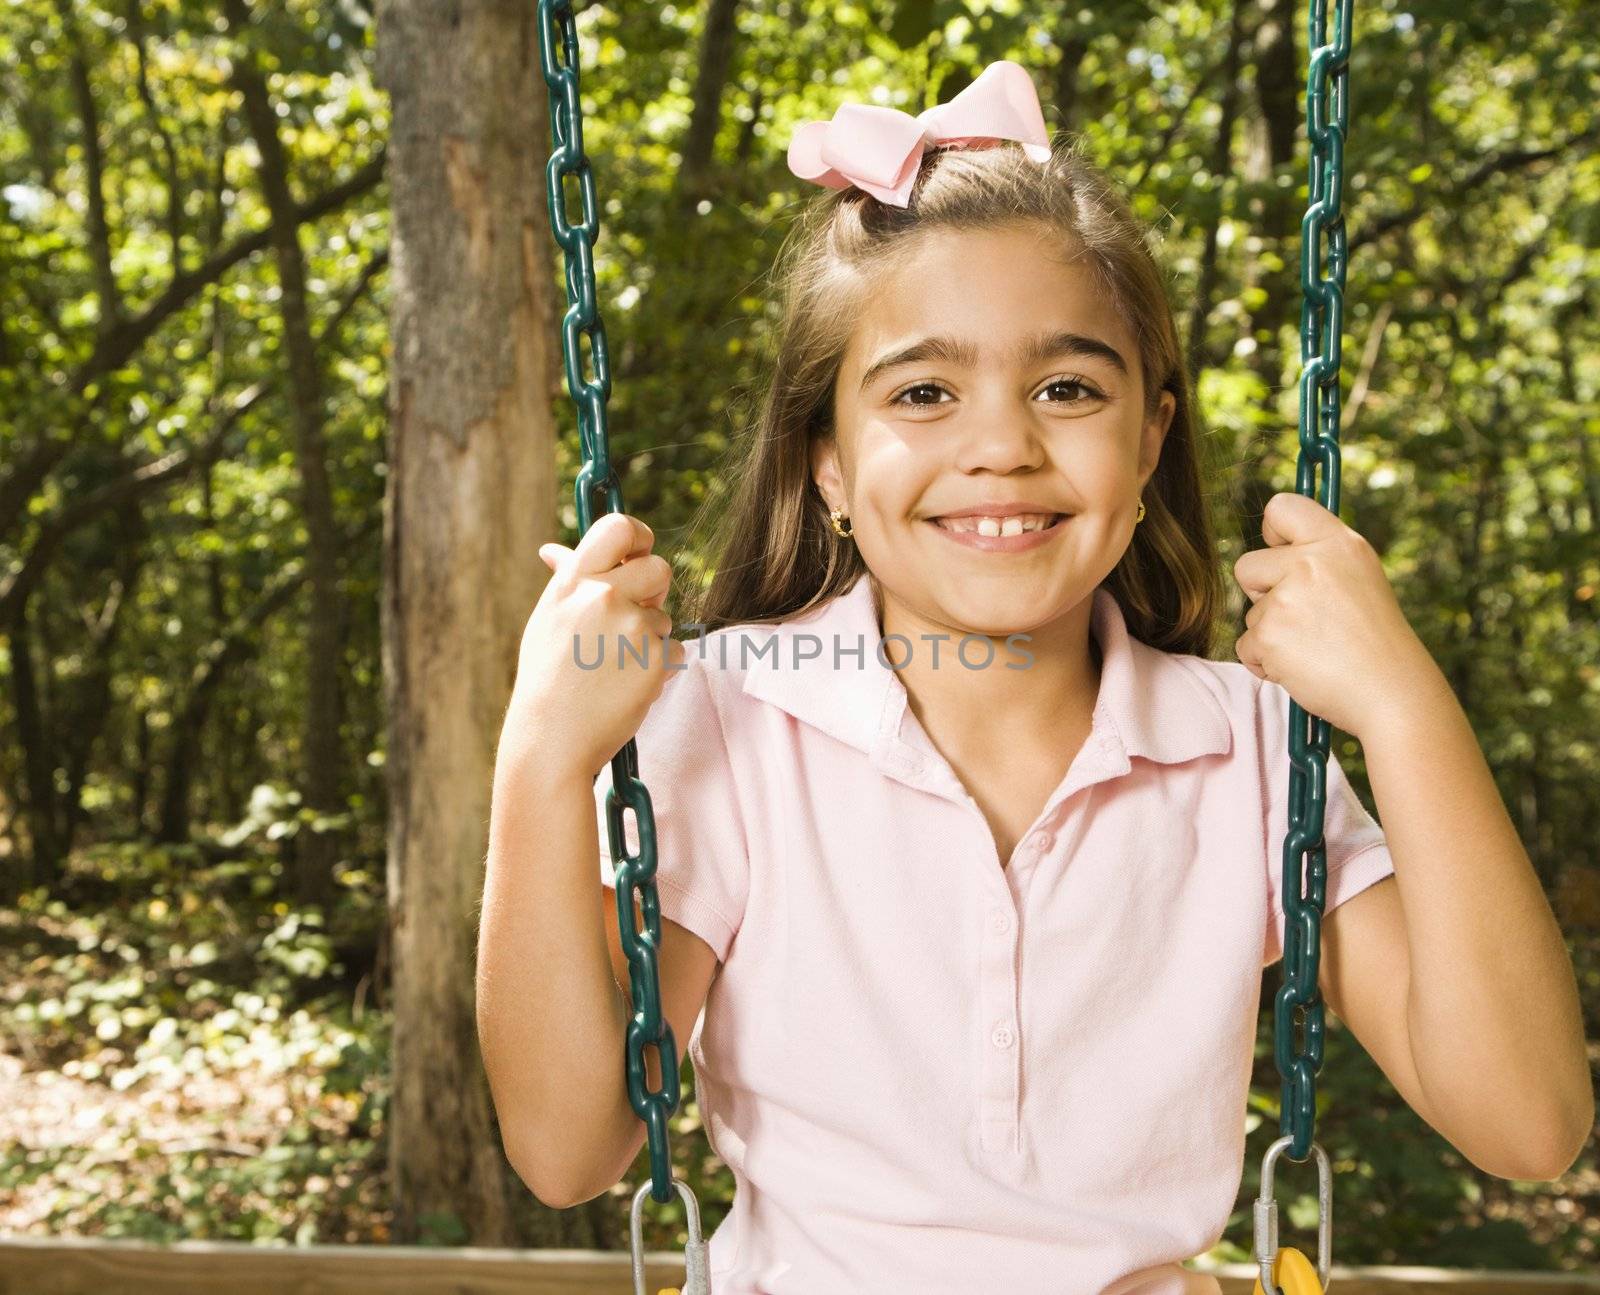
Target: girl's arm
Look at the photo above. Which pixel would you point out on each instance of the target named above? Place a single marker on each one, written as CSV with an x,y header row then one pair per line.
x,y
550,1019
552,1011
1488,1013
1491,1010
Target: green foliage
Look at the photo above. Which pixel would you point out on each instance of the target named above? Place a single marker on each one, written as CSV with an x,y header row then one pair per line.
x,y
1471,459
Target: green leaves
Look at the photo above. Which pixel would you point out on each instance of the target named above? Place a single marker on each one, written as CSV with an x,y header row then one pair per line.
x,y
1473,207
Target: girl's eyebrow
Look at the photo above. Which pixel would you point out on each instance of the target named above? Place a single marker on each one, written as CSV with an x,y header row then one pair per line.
x,y
1042,346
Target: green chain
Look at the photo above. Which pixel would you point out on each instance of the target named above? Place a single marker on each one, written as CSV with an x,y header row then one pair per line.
x,y
598,493
1321,321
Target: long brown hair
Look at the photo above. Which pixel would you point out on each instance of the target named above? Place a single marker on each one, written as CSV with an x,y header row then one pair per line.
x,y
771,547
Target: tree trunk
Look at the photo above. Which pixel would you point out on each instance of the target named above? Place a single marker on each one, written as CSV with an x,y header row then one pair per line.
x,y
1274,218
322,763
1272,259
711,78
41,864
232,644
1221,167
84,719
1074,42
470,496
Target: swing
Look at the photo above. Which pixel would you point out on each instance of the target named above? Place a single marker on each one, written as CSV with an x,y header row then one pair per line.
x,y
1283,1271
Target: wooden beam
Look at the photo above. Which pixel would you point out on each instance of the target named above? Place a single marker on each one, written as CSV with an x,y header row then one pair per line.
x,y
90,1266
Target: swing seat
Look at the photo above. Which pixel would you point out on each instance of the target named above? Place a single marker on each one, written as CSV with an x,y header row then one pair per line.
x,y
1293,1274
1292,1271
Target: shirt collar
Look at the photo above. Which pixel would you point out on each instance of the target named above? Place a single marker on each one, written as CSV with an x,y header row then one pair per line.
x,y
823,668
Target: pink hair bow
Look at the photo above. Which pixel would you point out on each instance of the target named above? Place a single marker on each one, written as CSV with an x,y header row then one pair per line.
x,y
879,149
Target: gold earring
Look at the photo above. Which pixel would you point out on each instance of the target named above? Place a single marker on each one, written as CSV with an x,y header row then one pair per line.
x,y
1140,517
835,517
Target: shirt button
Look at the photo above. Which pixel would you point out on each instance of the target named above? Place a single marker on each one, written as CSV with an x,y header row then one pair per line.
x,y
1002,1036
1001,922
1043,842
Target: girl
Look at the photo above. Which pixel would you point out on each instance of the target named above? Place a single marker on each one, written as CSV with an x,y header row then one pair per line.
x,y
967,849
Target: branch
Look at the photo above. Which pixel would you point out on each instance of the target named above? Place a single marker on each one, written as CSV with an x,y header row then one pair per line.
x,y
23,577
32,464
1179,121
378,262
20,581
114,349
1369,361
136,27
94,165
224,650
1494,164
35,462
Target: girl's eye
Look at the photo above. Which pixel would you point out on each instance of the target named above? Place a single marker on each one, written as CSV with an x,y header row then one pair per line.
x,y
900,398
1091,393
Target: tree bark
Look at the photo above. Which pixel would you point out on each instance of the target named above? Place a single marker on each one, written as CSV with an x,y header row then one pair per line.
x,y
38,812
470,495
711,78
1220,164
322,761
1275,224
110,304
1074,43
231,645
85,712
1279,85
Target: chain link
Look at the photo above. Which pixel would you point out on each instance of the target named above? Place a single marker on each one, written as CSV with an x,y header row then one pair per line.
x,y
598,492
1321,321
1305,871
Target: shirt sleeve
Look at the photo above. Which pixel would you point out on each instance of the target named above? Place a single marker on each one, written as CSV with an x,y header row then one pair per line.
x,y
702,859
1355,849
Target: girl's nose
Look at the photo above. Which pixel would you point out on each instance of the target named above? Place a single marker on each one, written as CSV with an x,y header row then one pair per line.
x,y
999,435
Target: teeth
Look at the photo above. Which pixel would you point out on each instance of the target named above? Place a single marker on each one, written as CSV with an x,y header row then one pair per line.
x,y
1013,525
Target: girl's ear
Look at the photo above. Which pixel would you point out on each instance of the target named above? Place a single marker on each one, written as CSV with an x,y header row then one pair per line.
x,y
1154,435
825,471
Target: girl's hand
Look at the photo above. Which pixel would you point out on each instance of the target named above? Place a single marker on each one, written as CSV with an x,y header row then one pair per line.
x,y
1324,621
568,710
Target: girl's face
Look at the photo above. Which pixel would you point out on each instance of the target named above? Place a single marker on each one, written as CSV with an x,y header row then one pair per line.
x,y
984,376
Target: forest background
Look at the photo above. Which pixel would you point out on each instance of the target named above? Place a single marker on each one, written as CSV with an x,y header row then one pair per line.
x,y
214,807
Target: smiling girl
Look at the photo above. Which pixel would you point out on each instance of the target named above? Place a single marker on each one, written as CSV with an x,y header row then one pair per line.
x,y
969,852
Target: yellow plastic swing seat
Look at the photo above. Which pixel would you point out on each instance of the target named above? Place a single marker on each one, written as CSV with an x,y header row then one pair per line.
x,y
1293,1274
1291,1270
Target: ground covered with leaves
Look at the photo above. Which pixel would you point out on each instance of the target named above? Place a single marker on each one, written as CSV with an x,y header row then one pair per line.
x,y
182,1056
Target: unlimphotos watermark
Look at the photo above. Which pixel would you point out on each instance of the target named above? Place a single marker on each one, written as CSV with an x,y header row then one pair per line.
x,y
971,651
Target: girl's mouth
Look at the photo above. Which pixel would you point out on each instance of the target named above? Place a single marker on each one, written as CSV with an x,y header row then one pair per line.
x,y
1014,534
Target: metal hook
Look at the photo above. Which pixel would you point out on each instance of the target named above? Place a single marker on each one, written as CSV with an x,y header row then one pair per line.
x,y
1266,1217
696,1272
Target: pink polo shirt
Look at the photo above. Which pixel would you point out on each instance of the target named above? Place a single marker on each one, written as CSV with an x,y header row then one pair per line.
x,y
929,1073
